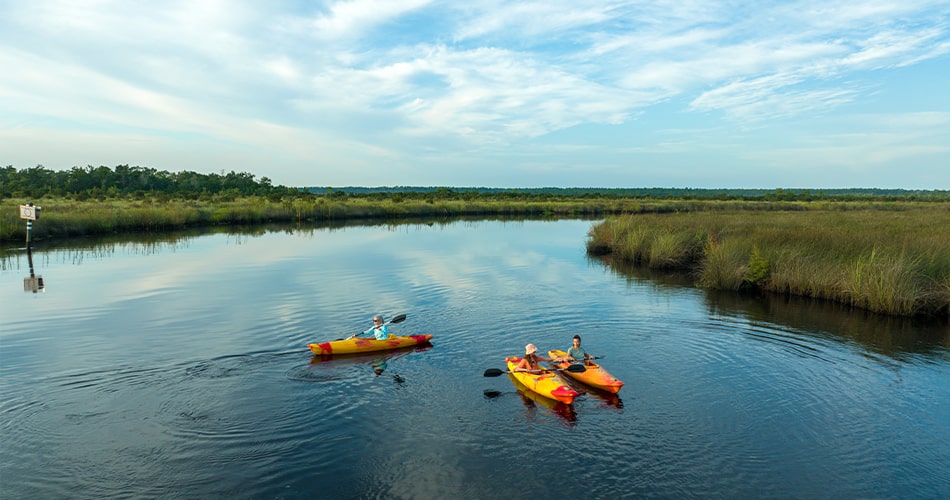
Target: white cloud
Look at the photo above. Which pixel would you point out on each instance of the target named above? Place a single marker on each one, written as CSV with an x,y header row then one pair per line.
x,y
344,82
349,19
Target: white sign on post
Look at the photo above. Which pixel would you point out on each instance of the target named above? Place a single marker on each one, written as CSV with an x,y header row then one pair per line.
x,y
29,212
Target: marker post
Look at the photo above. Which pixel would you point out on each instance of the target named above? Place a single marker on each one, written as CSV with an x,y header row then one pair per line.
x,y
33,283
30,212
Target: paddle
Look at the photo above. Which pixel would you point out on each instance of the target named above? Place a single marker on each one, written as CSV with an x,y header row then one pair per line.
x,y
588,358
396,319
494,372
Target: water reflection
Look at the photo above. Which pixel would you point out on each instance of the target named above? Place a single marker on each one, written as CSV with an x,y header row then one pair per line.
x,y
890,335
33,282
149,243
376,362
604,398
531,400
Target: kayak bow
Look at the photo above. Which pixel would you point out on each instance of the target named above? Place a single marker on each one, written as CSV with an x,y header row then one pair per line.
x,y
594,376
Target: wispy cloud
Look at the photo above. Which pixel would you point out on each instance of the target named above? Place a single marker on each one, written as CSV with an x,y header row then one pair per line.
x,y
401,78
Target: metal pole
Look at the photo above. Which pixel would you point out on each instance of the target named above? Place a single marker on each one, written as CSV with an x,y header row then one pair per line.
x,y
29,231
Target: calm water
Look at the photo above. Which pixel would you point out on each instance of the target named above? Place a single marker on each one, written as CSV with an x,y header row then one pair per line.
x,y
178,367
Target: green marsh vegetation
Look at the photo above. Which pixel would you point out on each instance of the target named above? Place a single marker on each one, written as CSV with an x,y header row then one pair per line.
x,y
891,258
64,217
102,200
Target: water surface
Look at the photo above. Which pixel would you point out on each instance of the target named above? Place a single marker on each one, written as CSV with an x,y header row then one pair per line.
x,y
177,366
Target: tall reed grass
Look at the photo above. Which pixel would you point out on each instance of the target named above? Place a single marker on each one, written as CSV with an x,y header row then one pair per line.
x,y
63,217
892,259
66,218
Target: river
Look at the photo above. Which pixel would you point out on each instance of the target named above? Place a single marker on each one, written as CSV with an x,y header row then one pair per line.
x,y
176,366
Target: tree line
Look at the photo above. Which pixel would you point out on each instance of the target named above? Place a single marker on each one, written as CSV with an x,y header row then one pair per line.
x,y
722,194
126,181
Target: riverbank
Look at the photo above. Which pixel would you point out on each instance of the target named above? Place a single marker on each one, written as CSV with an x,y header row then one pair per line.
x,y
888,258
66,217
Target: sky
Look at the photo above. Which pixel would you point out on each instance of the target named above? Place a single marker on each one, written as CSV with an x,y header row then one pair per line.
x,y
485,93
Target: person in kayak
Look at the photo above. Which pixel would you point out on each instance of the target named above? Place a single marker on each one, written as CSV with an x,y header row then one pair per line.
x,y
529,363
379,330
576,352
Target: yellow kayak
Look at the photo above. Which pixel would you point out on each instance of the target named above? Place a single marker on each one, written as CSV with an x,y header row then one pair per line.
x,y
545,383
594,376
358,345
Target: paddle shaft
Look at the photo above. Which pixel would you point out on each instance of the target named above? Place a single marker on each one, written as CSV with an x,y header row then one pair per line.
x,y
494,372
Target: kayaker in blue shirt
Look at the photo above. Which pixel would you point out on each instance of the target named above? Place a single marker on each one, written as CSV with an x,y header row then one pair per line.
x,y
379,330
576,352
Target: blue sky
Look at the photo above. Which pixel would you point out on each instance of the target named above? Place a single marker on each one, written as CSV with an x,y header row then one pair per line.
x,y
702,94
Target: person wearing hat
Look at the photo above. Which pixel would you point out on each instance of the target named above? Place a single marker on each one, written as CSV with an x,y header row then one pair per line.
x,y
530,360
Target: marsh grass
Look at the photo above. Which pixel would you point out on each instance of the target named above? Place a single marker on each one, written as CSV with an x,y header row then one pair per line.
x,y
64,217
892,259
68,217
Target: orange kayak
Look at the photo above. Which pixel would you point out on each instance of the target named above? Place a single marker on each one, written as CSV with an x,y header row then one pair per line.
x,y
545,383
594,376
358,345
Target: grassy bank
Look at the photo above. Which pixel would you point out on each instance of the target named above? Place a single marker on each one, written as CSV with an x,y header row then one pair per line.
x,y
66,217
892,258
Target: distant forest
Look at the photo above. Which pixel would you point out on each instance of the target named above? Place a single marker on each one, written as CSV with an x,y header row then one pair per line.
x,y
783,194
125,181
